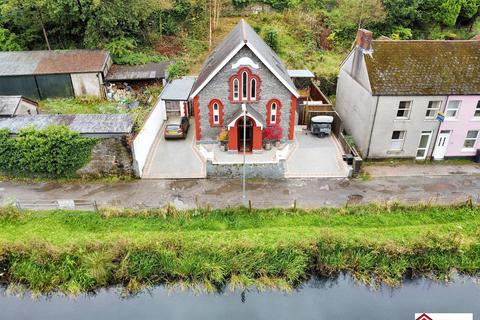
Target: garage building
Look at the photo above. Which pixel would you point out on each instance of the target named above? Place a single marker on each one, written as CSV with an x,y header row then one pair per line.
x,y
51,74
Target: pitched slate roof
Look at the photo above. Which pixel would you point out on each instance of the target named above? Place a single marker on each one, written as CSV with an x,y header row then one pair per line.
x,y
242,35
88,124
15,63
9,104
250,112
424,67
149,71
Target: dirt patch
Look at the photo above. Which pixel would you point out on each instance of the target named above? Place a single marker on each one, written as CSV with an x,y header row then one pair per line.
x,y
170,46
354,199
183,184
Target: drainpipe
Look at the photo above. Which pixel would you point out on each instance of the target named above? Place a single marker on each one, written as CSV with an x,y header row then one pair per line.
x,y
373,126
438,130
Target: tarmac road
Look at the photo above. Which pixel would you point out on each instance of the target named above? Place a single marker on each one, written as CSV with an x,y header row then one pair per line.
x,y
308,193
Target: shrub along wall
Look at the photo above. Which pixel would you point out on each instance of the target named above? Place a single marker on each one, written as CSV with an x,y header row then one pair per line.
x,y
55,151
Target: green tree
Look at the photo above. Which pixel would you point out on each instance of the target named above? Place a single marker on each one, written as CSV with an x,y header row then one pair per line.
x,y
357,13
8,41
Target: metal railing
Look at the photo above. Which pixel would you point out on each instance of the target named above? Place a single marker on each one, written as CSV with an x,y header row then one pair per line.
x,y
66,204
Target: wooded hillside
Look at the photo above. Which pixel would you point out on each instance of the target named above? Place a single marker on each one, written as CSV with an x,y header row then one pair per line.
x,y
312,33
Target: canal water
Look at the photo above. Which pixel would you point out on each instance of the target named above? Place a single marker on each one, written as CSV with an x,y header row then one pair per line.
x,y
340,298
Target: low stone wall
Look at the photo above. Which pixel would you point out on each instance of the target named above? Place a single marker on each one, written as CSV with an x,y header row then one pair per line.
x,y
110,157
257,170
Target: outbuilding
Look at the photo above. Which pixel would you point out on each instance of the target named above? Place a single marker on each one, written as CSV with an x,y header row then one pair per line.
x,y
51,74
88,125
11,106
149,73
174,97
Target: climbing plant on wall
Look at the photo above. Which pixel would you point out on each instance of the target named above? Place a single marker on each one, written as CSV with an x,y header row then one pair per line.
x,y
55,151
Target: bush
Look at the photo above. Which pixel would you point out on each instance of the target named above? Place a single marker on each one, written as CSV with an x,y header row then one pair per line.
x,y
271,38
123,51
55,151
273,133
177,69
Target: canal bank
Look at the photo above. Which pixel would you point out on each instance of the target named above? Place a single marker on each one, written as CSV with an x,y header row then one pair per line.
x,y
74,252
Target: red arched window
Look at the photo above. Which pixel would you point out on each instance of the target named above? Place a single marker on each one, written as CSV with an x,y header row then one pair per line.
x,y
273,112
244,86
216,112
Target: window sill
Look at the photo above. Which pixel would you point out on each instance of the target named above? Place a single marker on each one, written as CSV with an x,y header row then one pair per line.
x,y
468,150
402,119
450,119
475,119
245,101
394,151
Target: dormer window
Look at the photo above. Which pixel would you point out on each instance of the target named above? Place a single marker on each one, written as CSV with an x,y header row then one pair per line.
x,y
244,86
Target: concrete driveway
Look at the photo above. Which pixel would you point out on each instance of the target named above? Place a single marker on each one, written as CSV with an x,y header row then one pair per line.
x,y
174,159
315,157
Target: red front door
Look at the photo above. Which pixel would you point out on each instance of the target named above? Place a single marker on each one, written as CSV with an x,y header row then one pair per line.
x,y
245,134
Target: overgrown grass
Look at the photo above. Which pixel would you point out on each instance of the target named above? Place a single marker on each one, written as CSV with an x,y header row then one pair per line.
x,y
80,251
77,106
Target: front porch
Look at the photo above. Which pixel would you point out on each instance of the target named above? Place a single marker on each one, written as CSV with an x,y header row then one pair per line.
x,y
214,154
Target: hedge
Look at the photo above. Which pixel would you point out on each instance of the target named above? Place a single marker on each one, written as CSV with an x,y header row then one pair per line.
x,y
55,151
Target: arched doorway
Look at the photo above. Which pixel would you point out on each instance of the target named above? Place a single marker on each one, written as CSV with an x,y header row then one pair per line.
x,y
253,128
247,136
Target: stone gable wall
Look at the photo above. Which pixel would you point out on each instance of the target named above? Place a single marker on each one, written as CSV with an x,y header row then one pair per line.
x,y
218,88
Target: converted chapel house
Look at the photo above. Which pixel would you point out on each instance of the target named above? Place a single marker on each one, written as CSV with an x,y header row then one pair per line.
x,y
243,75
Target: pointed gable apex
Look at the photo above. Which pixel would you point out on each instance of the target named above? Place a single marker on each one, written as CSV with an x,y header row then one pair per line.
x,y
242,35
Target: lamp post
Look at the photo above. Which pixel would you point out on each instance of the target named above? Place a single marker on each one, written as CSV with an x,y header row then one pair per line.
x,y
244,109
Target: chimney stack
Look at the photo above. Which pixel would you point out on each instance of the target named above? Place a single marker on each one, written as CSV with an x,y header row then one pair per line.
x,y
364,40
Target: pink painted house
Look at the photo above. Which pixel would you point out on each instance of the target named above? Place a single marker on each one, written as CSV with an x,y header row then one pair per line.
x,y
459,133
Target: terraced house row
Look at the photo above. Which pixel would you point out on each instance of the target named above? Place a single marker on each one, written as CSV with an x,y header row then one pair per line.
x,y
411,99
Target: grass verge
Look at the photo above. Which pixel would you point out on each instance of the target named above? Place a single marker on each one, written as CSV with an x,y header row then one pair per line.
x,y
80,251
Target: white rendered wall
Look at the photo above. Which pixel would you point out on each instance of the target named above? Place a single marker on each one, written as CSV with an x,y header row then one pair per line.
x,y
145,139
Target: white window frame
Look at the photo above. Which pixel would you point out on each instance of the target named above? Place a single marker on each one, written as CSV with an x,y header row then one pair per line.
x,y
236,89
407,109
253,89
273,113
436,109
476,114
469,139
449,108
244,85
216,113
399,141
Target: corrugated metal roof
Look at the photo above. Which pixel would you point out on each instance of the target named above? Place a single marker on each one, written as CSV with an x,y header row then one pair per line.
x,y
83,123
244,34
9,104
424,67
52,62
300,73
149,71
178,89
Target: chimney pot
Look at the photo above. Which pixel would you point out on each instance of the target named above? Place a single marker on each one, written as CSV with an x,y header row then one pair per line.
x,y
364,39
